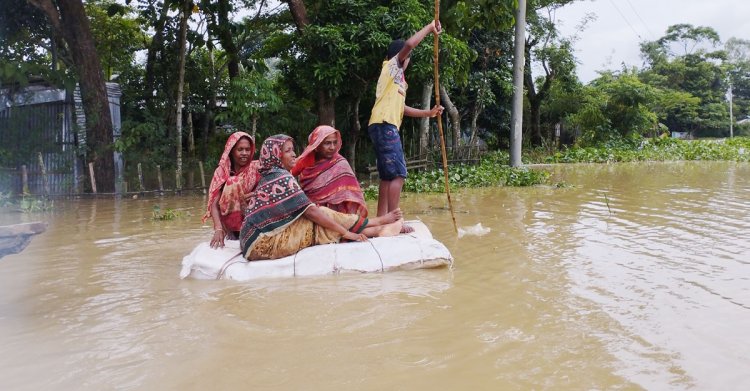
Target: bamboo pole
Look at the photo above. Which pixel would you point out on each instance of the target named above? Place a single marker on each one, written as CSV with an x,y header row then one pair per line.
x,y
203,176
439,118
140,178
45,180
91,176
158,177
24,180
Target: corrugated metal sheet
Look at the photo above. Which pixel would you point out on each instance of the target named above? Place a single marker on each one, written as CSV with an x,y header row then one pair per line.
x,y
41,120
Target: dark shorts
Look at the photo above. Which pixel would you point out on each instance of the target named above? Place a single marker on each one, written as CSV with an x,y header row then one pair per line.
x,y
388,150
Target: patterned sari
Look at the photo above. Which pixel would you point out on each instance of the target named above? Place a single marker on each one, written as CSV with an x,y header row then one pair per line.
x,y
232,188
330,183
274,226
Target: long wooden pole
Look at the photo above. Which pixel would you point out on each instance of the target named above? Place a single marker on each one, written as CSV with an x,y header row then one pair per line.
x,y
439,118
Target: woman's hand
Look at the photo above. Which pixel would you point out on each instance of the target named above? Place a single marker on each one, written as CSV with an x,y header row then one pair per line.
x,y
355,237
217,241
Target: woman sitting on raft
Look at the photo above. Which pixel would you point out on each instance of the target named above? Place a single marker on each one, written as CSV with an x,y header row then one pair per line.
x,y
281,220
326,177
233,180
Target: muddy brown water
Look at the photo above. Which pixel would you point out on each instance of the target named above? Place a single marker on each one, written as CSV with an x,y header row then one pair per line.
x,y
635,276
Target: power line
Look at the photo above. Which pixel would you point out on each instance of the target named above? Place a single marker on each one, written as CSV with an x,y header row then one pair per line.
x,y
641,19
626,20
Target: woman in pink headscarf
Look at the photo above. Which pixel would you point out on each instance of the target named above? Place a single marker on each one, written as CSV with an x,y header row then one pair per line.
x,y
233,180
326,177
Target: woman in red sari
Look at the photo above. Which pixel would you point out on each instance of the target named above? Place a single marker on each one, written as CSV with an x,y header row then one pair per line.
x,y
326,177
233,180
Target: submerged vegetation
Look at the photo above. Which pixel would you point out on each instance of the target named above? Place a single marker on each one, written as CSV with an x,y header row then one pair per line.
x,y
494,170
658,149
167,214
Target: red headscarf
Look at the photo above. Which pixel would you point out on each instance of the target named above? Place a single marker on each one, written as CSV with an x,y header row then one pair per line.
x,y
244,180
331,182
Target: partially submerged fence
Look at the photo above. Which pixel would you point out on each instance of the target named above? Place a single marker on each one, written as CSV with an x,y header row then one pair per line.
x,y
43,140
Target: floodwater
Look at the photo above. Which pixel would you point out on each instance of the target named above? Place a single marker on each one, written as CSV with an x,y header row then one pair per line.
x,y
633,276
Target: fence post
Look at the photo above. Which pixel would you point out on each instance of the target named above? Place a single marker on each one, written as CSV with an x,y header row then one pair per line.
x,y
158,176
24,180
91,176
203,177
45,181
140,178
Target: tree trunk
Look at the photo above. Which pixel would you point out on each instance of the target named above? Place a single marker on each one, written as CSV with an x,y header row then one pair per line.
x,y
535,117
156,45
453,114
326,102
326,109
475,112
191,151
424,123
70,21
255,125
353,136
209,126
534,95
186,8
224,33
299,14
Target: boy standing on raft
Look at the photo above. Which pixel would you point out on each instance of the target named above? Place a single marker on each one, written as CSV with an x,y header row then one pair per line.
x,y
389,109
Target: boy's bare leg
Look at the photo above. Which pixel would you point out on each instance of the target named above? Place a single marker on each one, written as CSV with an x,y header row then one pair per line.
x,y
394,196
394,193
385,219
383,197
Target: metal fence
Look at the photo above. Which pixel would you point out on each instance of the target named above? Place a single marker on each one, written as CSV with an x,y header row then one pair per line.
x,y
42,140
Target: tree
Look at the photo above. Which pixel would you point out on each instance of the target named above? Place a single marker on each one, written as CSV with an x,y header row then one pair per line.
x,y
338,47
552,53
68,20
615,105
686,59
738,73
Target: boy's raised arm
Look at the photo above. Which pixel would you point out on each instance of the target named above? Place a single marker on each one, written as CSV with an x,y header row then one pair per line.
x,y
414,40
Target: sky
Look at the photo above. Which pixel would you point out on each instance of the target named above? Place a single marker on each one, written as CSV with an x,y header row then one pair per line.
x,y
613,38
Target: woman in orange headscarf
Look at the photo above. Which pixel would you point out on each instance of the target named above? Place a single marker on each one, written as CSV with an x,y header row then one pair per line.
x,y
233,180
326,177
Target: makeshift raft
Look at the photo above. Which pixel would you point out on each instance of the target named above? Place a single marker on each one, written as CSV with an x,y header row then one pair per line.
x,y
416,250
15,238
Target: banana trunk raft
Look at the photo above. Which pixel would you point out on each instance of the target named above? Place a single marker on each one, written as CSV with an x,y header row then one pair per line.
x,y
416,250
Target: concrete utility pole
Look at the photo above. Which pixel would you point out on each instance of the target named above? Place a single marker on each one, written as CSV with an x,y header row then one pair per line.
x,y
516,117
731,116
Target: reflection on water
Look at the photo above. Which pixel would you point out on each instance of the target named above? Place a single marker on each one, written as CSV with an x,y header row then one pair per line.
x,y
636,276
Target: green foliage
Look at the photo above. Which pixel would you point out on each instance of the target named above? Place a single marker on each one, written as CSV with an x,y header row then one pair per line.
x,y
117,33
250,95
167,214
615,105
35,205
492,171
683,65
658,149
5,199
370,192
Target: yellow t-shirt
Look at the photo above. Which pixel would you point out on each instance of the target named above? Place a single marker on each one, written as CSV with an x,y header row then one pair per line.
x,y
390,94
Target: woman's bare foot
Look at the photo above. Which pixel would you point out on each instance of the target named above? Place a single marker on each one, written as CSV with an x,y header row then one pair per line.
x,y
387,218
406,229
391,229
